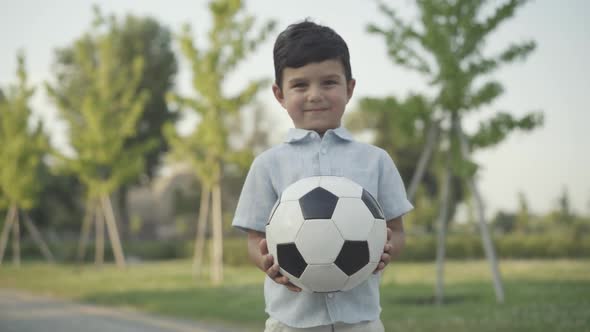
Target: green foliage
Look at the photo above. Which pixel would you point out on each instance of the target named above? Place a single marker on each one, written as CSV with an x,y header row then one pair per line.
x,y
518,246
23,148
424,213
400,128
500,126
102,103
61,203
131,37
447,48
230,42
146,37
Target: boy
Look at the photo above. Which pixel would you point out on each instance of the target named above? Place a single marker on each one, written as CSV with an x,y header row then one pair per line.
x,y
313,82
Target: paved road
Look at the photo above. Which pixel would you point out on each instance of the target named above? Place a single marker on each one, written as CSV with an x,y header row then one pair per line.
x,y
22,312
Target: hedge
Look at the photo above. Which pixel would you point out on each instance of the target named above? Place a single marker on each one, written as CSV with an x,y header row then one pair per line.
x,y
418,248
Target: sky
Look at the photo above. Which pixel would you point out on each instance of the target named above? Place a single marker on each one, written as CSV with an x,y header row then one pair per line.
x,y
555,79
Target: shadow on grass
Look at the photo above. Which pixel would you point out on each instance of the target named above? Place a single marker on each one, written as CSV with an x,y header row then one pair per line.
x,y
234,305
431,300
549,305
539,306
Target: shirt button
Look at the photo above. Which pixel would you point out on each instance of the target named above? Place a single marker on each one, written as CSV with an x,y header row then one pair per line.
x,y
330,295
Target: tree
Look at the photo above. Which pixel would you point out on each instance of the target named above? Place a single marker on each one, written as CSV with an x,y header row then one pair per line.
x,y
523,214
102,104
565,211
207,148
132,37
505,222
399,127
447,49
21,154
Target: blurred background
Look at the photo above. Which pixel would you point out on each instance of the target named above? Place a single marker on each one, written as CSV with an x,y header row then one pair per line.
x,y
127,129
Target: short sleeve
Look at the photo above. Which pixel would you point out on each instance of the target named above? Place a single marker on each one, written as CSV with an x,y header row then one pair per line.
x,y
392,192
256,199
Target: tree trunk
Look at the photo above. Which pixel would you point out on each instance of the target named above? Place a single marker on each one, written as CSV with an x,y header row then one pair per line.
x,y
483,226
122,206
442,233
201,229
9,221
38,239
89,218
217,252
16,239
113,232
487,243
431,140
99,248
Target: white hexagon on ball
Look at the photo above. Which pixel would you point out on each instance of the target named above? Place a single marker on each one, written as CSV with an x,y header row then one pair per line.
x,y
296,281
353,218
360,276
285,224
324,278
341,187
319,241
378,236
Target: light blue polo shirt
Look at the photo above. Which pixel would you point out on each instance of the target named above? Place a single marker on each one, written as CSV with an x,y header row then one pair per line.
x,y
305,154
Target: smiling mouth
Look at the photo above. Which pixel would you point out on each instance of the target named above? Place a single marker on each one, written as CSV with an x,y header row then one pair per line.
x,y
316,110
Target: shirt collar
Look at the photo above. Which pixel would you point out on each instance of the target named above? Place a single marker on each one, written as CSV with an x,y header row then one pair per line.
x,y
298,134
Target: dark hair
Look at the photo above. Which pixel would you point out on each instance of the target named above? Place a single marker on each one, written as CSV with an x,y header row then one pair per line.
x,y
307,42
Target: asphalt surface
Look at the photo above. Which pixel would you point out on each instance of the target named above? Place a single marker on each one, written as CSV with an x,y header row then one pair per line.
x,y
23,312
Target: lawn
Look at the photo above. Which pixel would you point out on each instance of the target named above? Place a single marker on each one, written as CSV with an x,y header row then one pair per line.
x,y
541,295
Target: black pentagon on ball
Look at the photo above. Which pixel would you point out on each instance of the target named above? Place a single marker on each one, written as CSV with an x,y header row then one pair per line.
x,y
353,256
373,205
290,259
318,204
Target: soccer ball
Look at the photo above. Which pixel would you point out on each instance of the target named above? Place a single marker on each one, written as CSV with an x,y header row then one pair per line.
x,y
327,233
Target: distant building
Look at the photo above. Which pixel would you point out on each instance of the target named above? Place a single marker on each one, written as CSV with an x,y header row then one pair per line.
x,y
166,209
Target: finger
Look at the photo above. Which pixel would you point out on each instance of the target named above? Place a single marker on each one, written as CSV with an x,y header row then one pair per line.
x,y
293,288
273,271
387,248
281,279
284,280
263,247
389,234
386,258
379,268
266,262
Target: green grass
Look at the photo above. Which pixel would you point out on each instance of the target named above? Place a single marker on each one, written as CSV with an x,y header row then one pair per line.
x,y
541,295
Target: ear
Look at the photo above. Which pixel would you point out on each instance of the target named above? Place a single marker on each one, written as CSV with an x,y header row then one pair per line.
x,y
278,93
350,88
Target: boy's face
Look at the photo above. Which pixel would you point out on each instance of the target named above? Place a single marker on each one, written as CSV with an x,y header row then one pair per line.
x,y
315,95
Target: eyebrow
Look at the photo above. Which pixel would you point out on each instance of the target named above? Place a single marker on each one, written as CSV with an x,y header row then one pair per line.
x,y
331,77
296,80
301,79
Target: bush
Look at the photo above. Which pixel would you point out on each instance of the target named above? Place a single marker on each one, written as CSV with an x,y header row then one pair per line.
x,y
469,246
418,248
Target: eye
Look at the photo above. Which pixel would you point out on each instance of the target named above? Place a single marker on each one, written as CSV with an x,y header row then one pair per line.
x,y
330,82
299,85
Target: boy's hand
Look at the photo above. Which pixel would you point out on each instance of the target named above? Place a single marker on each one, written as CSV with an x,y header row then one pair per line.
x,y
394,245
272,269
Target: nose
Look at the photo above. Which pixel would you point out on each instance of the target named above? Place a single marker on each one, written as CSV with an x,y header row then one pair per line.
x,y
314,94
